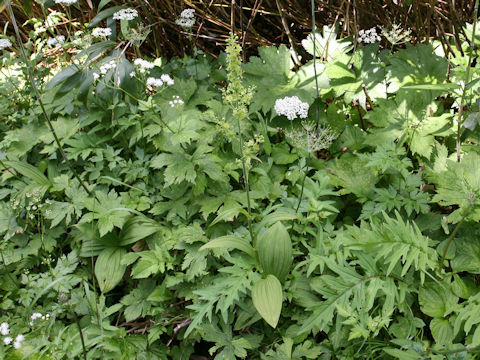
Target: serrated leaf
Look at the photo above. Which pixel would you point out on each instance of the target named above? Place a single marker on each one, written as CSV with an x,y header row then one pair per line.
x,y
230,242
442,331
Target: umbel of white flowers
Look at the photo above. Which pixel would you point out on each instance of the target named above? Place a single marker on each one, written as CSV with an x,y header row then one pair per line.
x,y
57,40
186,19
125,14
143,65
368,36
102,32
164,79
65,2
292,107
5,43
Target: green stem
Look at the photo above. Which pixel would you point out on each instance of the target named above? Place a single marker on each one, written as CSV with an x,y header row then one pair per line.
x,y
314,28
247,187
467,80
37,95
301,191
80,332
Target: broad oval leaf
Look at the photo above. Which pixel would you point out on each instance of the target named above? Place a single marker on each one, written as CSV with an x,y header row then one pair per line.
x,y
230,241
29,171
137,228
109,269
267,298
275,252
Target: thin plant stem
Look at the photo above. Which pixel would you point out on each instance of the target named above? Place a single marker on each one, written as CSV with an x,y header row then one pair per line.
x,y
247,187
467,80
37,95
314,29
84,349
289,34
301,192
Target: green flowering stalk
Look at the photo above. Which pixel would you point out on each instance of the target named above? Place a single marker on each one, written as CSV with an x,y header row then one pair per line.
x,y
236,95
238,98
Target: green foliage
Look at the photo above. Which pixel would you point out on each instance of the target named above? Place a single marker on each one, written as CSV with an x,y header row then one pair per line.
x,y
182,220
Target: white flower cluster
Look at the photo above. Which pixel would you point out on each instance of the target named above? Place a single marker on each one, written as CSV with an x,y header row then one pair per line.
x,y
5,330
143,65
292,107
56,41
176,100
66,2
368,36
38,315
102,32
187,18
5,43
156,82
104,68
18,341
125,14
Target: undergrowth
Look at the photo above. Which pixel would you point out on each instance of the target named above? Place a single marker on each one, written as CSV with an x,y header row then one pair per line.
x,y
167,209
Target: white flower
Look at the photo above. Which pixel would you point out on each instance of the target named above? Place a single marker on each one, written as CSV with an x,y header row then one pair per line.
x,y
188,13
176,100
102,32
132,74
7,340
184,22
368,36
18,341
5,43
4,330
57,40
125,14
96,76
144,65
186,19
36,316
154,82
65,2
167,79
292,107
107,66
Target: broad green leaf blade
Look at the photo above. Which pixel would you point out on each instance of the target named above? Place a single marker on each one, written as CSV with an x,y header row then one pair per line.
x,y
275,252
109,269
67,73
442,331
29,171
105,14
137,228
267,298
230,241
